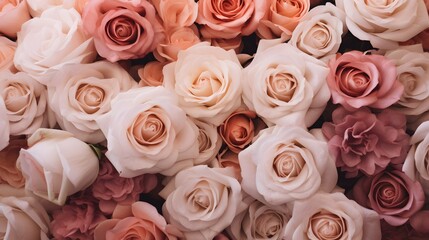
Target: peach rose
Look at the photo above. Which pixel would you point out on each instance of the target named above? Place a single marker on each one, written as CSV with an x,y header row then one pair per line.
x,y
13,13
79,5
57,165
176,40
9,173
385,23
235,44
7,52
26,102
122,29
151,74
177,13
4,122
209,142
80,93
282,17
228,19
147,132
137,221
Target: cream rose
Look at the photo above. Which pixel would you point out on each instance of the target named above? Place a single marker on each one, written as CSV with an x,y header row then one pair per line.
x,y
176,40
7,51
320,31
385,23
286,163
177,13
332,216
26,102
13,13
209,200
4,122
285,86
57,165
207,81
50,41
80,93
37,7
147,132
209,142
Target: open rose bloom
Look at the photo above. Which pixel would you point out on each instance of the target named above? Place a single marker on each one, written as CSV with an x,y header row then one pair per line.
x,y
214,119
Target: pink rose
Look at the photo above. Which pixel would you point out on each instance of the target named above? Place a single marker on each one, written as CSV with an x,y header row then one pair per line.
x,y
7,52
361,141
357,79
151,74
4,122
137,221
390,193
122,29
111,189
176,40
419,222
76,220
13,13
177,13
9,173
228,19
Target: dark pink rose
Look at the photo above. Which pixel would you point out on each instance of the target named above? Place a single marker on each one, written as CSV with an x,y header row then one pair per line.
x,y
419,222
111,189
122,29
392,194
76,220
365,142
356,80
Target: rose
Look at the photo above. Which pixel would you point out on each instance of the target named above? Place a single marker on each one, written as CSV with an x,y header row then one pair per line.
x,y
235,44
8,172
228,19
151,74
176,40
79,5
137,221
26,102
286,164
23,218
207,82
356,80
37,7
50,41
4,122
285,86
419,223
209,199
358,140
110,189
260,221
238,130
209,142
122,29
7,51
281,18
57,165
147,132
332,216
392,194
384,23
80,93
178,13
320,31
76,220
13,13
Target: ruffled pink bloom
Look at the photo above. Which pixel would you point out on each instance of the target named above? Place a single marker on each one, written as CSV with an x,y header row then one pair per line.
x,y
365,142
356,80
111,189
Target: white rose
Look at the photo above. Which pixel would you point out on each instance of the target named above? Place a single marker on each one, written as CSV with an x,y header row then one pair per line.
x,y
80,93
285,86
286,163
4,123
147,132
52,40
332,216
207,81
26,102
209,200
37,7
57,165
320,31
385,23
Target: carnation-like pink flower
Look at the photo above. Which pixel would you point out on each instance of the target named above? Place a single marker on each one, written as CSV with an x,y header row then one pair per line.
x,y
357,79
111,189
365,142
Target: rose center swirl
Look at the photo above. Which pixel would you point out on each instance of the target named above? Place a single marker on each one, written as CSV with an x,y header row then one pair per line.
x,y
123,30
289,163
147,129
90,97
326,225
281,86
16,97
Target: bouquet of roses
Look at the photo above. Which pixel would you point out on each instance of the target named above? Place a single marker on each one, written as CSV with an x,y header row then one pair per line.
x,y
214,119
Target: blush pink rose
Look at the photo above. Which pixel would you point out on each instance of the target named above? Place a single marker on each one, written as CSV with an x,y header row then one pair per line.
x,y
176,40
151,74
122,29
76,220
4,122
227,158
7,51
13,13
228,19
111,189
9,173
390,193
357,79
137,221
361,141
